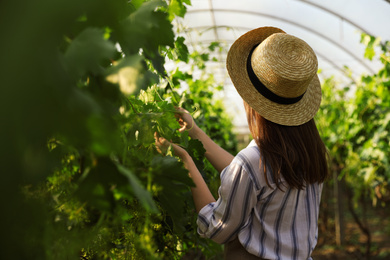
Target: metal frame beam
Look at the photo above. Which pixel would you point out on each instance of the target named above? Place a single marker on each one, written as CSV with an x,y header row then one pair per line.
x,y
322,56
294,24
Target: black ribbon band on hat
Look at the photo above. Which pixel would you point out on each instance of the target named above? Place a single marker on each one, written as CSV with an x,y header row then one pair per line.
x,y
263,90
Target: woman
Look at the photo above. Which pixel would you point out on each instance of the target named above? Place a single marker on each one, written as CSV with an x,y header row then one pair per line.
x,y
270,192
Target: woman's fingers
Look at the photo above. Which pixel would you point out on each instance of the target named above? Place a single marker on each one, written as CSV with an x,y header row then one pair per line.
x,y
184,118
183,125
162,144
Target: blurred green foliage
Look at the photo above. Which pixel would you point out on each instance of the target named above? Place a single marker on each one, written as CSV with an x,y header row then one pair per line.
x,y
355,125
83,90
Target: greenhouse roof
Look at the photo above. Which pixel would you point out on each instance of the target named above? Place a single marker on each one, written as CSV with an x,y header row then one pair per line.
x,y
333,29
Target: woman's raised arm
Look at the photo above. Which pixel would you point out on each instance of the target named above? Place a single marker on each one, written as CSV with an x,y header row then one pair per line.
x,y
216,155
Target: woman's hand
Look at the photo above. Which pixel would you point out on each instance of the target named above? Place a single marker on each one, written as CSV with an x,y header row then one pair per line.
x,y
216,155
200,193
186,122
163,144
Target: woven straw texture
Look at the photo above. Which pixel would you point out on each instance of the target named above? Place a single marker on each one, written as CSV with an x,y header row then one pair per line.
x,y
286,65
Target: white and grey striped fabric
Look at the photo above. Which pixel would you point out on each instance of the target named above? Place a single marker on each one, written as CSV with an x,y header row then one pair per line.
x,y
269,223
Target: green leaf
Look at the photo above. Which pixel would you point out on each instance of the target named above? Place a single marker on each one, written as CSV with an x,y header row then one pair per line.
x,y
95,184
196,150
103,135
130,74
371,43
213,46
178,76
181,49
149,26
147,96
140,192
157,60
176,8
171,176
137,3
87,52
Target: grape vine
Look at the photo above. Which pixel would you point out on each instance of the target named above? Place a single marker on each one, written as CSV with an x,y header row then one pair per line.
x,y
91,91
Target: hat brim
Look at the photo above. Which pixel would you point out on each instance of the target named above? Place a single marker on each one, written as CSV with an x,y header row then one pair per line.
x,y
289,115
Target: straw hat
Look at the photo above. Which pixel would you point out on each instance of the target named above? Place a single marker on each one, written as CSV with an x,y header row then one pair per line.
x,y
276,74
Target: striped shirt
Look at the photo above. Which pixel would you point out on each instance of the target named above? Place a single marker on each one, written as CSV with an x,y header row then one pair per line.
x,y
269,223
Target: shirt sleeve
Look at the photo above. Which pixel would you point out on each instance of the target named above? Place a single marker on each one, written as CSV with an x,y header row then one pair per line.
x,y
223,219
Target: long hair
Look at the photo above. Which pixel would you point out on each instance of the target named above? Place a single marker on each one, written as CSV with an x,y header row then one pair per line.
x,y
295,153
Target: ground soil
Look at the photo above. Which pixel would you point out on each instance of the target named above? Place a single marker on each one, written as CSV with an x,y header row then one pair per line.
x,y
355,242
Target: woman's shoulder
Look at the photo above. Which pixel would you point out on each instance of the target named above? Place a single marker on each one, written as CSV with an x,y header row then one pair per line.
x,y
249,160
249,154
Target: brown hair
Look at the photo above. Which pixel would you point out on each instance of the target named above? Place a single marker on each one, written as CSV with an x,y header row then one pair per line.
x,y
296,152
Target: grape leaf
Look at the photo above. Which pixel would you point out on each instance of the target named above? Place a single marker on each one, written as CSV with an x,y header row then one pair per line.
x,y
176,8
149,27
171,176
87,51
181,49
95,184
140,192
130,74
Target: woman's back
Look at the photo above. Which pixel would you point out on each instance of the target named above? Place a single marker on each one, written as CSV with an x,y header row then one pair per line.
x,y
270,223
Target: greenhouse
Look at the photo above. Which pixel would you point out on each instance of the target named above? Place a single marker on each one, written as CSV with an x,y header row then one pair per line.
x,y
332,28
195,129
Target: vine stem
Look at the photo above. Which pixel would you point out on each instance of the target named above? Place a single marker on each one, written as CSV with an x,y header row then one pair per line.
x,y
173,92
385,58
363,226
124,149
131,104
155,90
